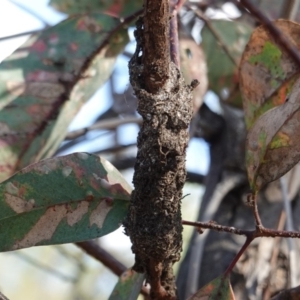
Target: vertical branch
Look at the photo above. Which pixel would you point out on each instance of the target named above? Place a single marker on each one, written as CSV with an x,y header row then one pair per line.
x,y
156,44
153,221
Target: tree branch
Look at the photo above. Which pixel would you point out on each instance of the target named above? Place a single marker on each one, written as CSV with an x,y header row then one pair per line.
x,y
94,250
156,55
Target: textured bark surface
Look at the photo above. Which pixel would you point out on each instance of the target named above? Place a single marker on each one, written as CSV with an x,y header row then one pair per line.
x,y
154,218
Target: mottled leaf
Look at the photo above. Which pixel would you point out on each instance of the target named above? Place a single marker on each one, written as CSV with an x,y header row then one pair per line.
x,y
218,289
116,8
273,144
267,73
61,200
193,66
44,83
128,286
222,71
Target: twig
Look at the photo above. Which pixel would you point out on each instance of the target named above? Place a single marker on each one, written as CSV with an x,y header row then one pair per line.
x,y
94,250
252,202
263,232
155,42
3,38
280,38
215,33
237,257
106,124
31,12
289,227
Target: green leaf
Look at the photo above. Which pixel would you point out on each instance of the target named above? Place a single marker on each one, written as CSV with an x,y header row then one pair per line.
x,y
61,200
128,286
218,289
116,8
44,83
222,72
267,74
273,143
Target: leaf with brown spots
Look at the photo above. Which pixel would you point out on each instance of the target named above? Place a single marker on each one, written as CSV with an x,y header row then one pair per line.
x,y
273,142
267,73
128,286
218,289
270,87
116,8
44,83
61,200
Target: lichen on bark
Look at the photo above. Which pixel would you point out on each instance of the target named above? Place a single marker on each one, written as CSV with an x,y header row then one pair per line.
x,y
154,217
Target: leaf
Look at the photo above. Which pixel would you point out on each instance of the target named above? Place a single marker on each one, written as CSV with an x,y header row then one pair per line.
x,y
273,143
218,289
46,81
193,66
267,73
116,8
268,77
128,286
222,72
61,200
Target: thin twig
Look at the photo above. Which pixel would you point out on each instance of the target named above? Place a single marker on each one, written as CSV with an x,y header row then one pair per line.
x,y
105,124
263,232
215,33
252,202
94,250
3,38
237,257
280,38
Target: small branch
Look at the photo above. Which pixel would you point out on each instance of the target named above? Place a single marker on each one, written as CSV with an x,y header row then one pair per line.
x,y
215,33
252,202
106,124
263,232
237,257
156,40
3,38
94,250
278,36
